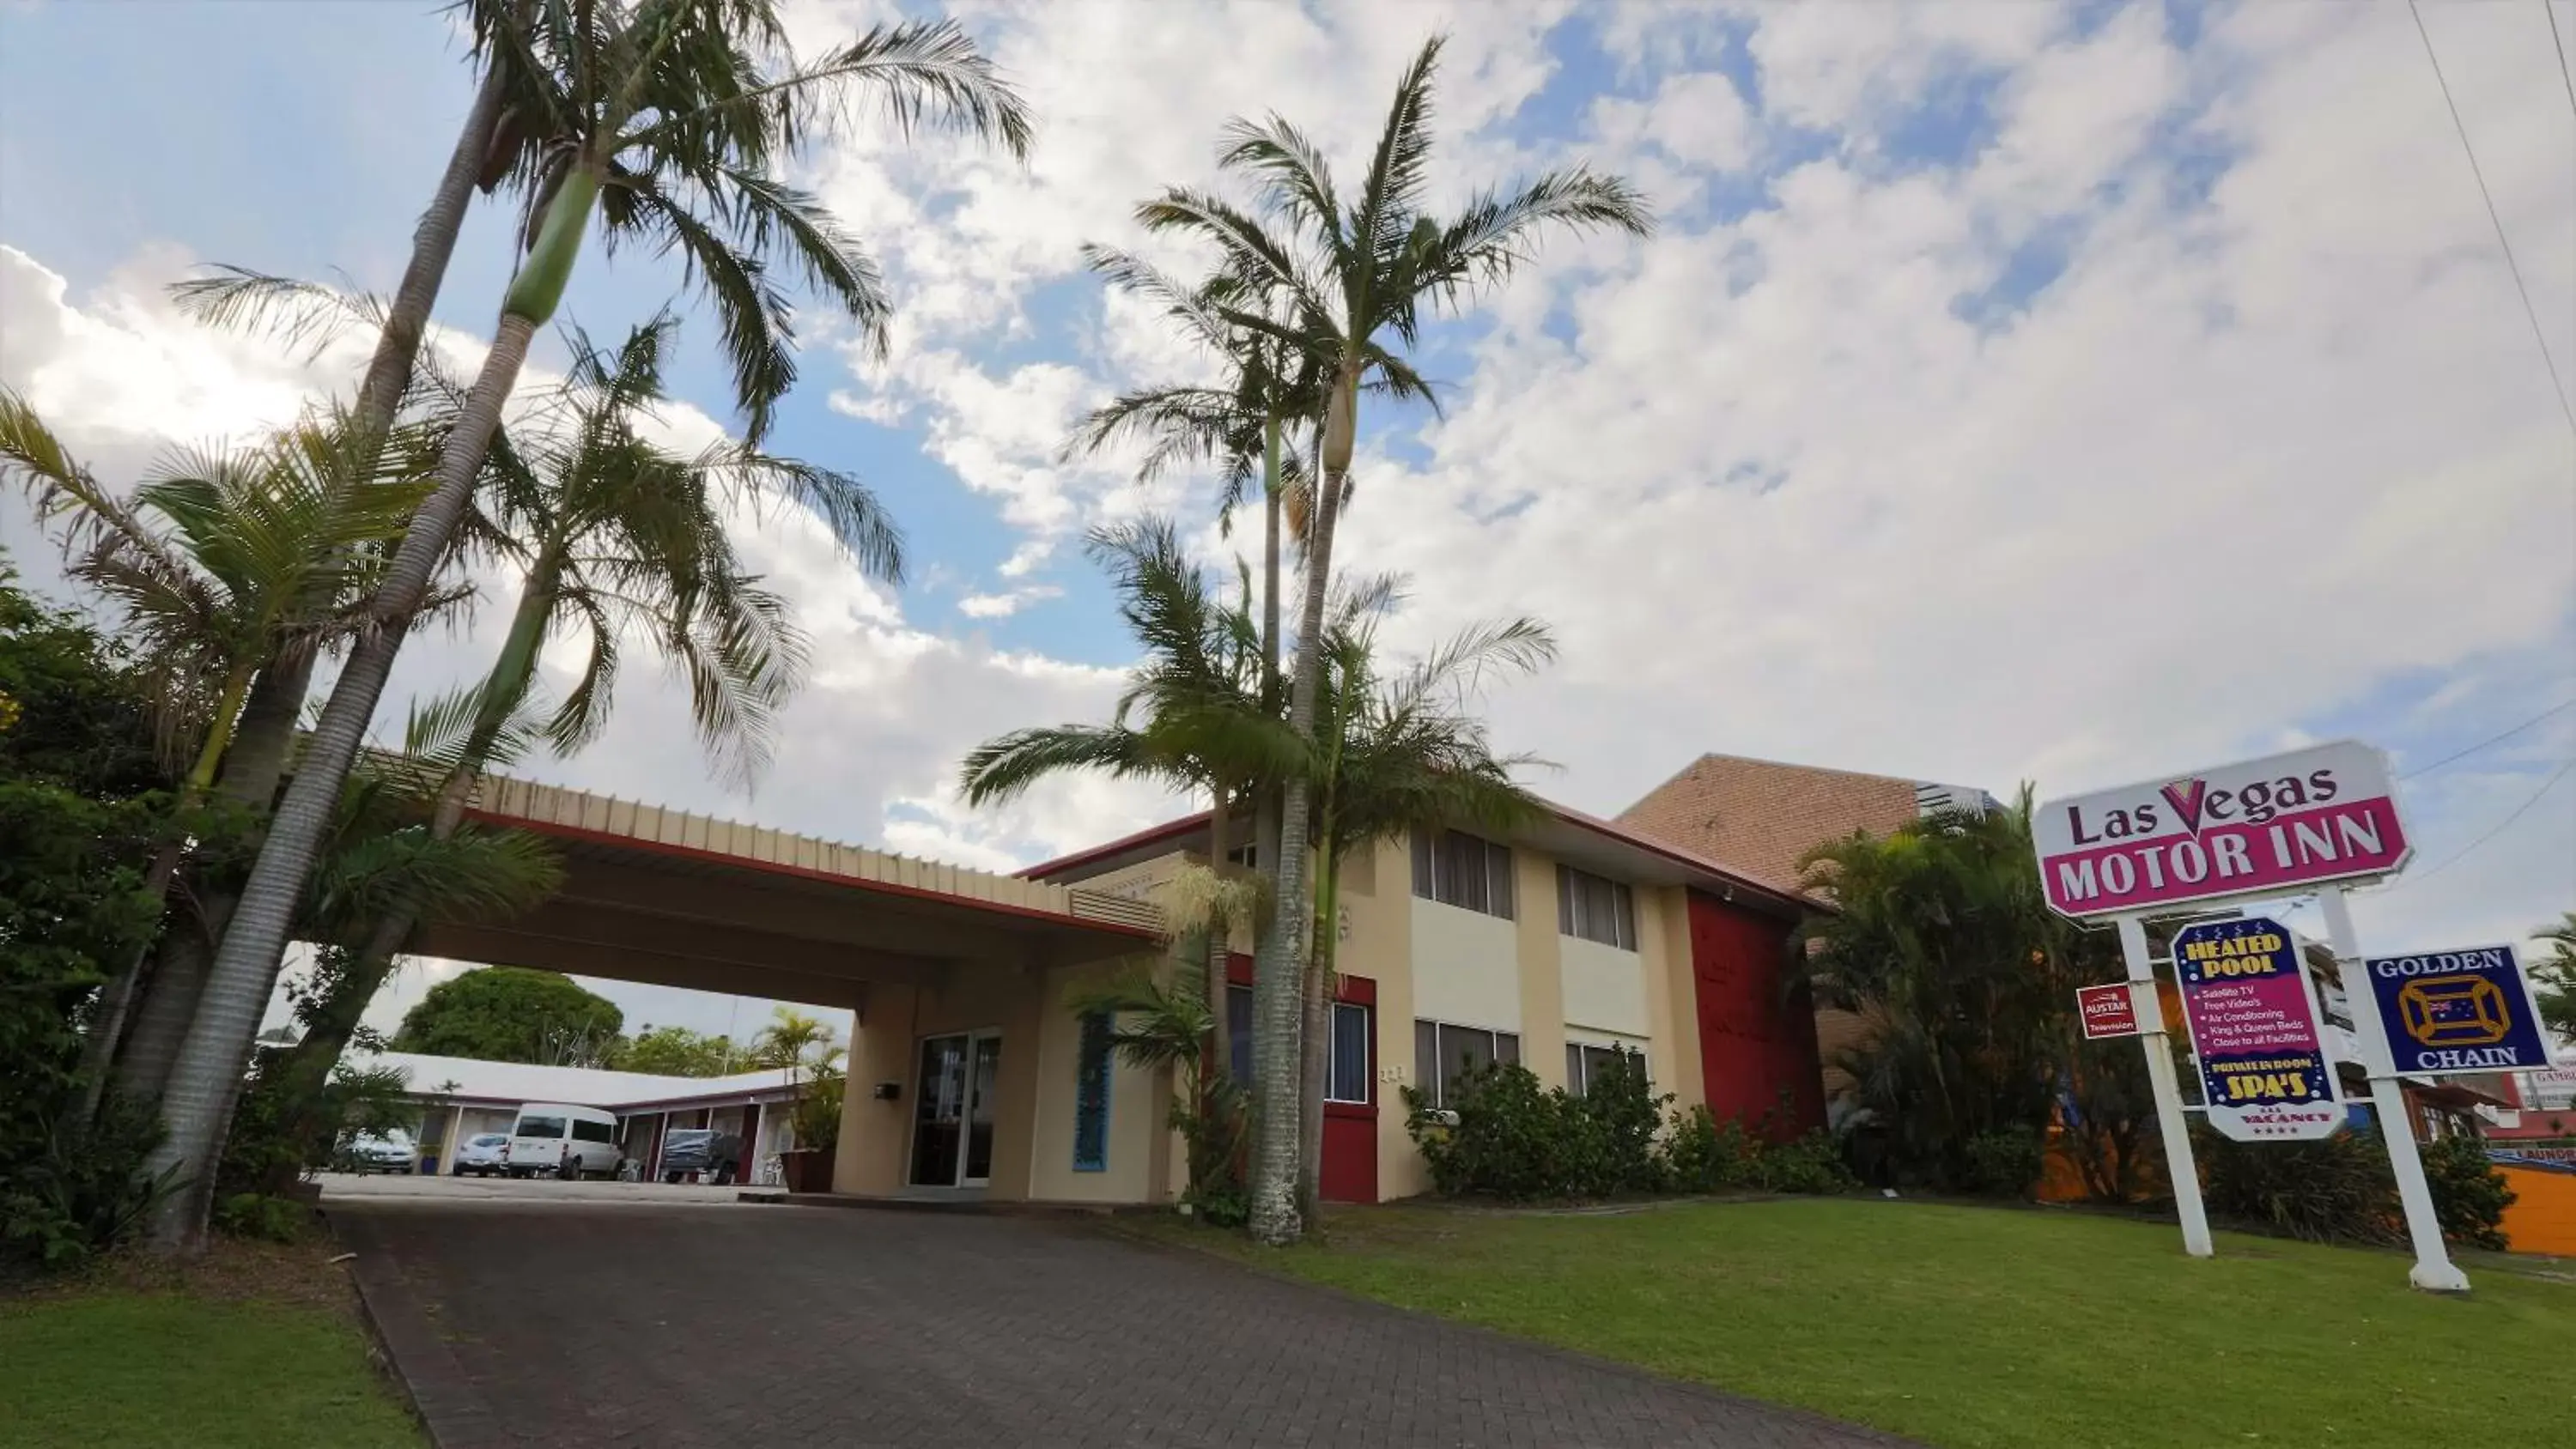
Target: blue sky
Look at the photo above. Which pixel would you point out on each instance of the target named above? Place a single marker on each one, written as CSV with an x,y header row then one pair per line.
x,y
2011,392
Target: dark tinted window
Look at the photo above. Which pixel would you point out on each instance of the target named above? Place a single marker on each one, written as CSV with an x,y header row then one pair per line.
x,y
541,1127
588,1131
1462,870
1444,1053
1595,909
1238,1033
1349,1079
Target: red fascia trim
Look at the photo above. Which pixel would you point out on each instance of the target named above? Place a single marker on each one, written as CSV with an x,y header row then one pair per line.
x,y
1146,836
776,867
1624,836
1360,1111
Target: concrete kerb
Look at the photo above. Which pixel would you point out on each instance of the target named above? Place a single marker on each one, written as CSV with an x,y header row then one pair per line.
x,y
408,1347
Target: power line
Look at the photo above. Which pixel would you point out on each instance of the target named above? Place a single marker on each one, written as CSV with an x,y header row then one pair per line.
x,y
2558,47
2491,740
2557,390
2500,827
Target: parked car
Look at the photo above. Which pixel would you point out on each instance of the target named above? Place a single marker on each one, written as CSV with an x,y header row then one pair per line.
x,y
701,1152
482,1155
381,1152
558,1139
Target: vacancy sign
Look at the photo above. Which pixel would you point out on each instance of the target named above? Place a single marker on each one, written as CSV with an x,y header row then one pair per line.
x,y
2264,1072
2289,822
2106,1011
2458,1011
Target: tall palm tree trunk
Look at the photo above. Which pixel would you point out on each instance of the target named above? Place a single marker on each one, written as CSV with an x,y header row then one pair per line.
x,y
256,757
1219,942
344,1001
1314,1024
198,1102
1275,977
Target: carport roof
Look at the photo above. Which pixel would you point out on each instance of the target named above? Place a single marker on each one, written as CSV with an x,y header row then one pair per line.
x,y
464,1079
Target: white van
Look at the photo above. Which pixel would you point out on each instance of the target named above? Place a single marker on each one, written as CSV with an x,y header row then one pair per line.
x,y
557,1139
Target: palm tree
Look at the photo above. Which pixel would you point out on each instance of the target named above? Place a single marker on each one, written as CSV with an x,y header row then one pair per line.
x,y
1191,715
618,535
1399,753
1353,274
2556,976
663,119
225,567
796,1039
1160,1021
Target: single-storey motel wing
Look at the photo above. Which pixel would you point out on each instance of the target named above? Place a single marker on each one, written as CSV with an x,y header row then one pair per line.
x,y
973,1073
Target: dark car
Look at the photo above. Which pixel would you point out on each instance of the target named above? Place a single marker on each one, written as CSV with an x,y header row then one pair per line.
x,y
701,1152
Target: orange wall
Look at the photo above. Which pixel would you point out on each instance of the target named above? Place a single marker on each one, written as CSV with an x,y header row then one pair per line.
x,y
2543,1216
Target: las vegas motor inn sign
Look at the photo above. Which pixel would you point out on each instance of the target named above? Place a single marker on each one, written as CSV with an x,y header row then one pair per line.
x,y
2326,813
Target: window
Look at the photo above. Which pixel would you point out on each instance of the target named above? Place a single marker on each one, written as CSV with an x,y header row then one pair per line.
x,y
1467,871
1247,855
549,1127
1091,1094
1595,909
1442,1054
584,1130
1348,1081
1584,1062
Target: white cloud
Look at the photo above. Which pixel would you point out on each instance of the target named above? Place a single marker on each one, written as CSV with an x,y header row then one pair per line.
x,y
1003,605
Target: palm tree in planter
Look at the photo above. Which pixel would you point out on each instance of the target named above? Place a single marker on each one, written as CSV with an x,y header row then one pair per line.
x,y
1400,752
618,536
663,119
1355,274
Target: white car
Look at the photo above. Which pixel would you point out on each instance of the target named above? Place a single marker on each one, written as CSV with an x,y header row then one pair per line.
x,y
381,1152
483,1155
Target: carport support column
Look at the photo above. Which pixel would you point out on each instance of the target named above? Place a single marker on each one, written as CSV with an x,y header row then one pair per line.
x,y
2149,1008
2433,1271
869,1158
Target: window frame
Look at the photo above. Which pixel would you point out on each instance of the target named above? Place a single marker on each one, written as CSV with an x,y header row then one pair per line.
x,y
1576,907
1436,1077
1578,1063
1440,873
1368,1053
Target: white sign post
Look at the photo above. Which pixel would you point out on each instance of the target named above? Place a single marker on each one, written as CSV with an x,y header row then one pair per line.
x,y
2321,817
2168,1093
2433,1271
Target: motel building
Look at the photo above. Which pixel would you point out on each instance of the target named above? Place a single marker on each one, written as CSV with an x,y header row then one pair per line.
x,y
972,1075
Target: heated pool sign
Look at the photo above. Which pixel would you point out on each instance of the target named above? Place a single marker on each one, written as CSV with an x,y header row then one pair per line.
x,y
2264,1071
2269,826
2457,1011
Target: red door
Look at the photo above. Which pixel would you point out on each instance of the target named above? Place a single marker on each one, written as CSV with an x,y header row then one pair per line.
x,y
1350,1093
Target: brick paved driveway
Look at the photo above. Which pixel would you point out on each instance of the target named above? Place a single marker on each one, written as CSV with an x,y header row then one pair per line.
x,y
580,1325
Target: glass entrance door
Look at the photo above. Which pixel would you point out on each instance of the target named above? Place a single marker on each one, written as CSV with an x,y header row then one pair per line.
x,y
952,1113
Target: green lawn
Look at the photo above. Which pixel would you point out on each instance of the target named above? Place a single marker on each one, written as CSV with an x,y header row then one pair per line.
x,y
1977,1326
107,1369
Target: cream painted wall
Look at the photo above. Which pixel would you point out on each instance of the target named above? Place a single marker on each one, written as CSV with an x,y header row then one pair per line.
x,y
1672,998
1465,965
1545,985
1136,1107
1605,987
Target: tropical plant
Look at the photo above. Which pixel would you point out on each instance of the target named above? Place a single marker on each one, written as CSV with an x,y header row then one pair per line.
x,y
2554,976
664,119
510,1014
1398,752
676,1051
1190,717
796,1039
1160,1022
1942,942
1346,276
618,535
83,801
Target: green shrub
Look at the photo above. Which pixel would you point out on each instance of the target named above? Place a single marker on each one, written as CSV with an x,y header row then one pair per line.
x,y
1706,1155
257,1215
2337,1190
2005,1162
2469,1195
1809,1164
76,1197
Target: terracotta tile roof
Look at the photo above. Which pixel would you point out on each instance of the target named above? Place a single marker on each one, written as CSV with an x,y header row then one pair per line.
x,y
1761,816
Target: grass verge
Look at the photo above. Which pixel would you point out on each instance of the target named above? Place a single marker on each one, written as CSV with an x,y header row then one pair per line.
x,y
1965,1326
255,1348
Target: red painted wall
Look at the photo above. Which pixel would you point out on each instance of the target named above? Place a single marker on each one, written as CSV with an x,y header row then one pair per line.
x,y
1754,1043
1350,1128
